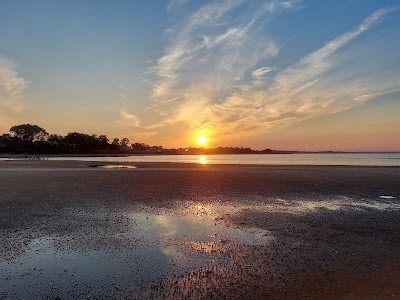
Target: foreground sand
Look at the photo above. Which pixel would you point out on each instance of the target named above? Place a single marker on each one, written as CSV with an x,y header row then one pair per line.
x,y
330,235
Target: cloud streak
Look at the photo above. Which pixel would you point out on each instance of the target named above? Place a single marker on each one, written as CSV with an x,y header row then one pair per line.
x,y
129,119
220,69
174,4
11,86
261,71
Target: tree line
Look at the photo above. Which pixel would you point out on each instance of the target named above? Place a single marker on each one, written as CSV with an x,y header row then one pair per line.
x,y
33,139
27,138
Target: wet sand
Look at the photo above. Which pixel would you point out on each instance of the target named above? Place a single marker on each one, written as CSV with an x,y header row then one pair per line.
x,y
166,230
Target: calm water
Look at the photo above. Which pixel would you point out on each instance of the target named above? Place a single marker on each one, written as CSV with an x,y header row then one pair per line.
x,y
354,159
351,159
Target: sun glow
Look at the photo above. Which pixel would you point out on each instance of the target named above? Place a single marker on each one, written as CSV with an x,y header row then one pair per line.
x,y
203,159
201,140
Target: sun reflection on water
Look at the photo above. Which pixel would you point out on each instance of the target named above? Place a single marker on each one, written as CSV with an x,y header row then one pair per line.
x,y
202,159
206,247
201,209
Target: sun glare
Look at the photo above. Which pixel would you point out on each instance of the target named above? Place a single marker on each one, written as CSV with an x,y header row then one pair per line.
x,y
203,159
201,140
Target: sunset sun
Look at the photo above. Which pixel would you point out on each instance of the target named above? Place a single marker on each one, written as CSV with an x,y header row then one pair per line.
x,y
201,140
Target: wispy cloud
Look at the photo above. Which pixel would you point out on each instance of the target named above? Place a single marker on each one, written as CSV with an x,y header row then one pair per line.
x,y
173,4
261,71
11,86
217,65
150,107
170,100
129,119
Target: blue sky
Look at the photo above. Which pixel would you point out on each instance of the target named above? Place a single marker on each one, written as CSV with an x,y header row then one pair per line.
x,y
311,75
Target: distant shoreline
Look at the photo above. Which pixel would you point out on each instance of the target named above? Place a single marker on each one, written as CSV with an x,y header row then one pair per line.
x,y
93,165
11,155
382,159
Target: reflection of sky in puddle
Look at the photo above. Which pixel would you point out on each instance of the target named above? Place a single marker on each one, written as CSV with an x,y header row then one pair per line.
x,y
343,203
186,239
199,228
113,166
304,206
386,197
159,242
44,271
168,243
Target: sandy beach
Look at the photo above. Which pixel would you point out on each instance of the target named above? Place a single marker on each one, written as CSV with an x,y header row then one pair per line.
x,y
70,229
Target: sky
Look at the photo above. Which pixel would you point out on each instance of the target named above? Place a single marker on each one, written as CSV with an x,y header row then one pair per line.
x,y
290,75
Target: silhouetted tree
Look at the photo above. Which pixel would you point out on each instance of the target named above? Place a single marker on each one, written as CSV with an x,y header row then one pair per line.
x,y
55,137
6,142
115,144
29,133
77,142
124,142
102,142
5,138
140,146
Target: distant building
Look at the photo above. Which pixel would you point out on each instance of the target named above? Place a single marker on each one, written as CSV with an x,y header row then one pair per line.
x,y
124,148
153,150
182,151
51,143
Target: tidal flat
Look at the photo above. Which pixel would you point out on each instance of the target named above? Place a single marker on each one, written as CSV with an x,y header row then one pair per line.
x,y
188,231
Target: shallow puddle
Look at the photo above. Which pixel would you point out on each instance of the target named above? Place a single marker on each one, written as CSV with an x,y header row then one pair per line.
x,y
160,243
124,251
386,197
306,206
112,166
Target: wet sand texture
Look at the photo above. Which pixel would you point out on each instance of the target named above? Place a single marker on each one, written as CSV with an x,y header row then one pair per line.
x,y
181,231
